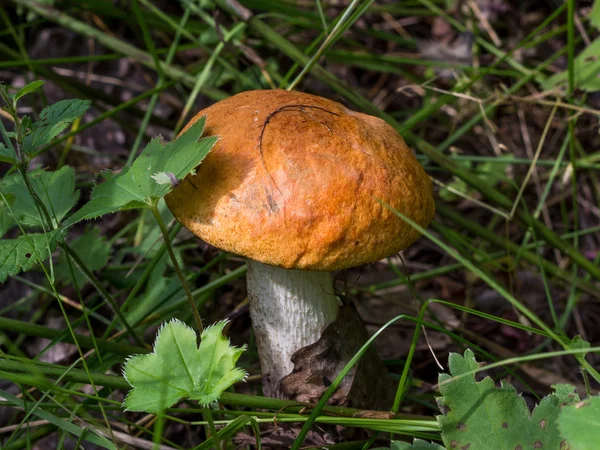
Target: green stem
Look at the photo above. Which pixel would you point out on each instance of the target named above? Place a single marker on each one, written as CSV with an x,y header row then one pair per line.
x,y
30,329
101,289
188,293
38,202
207,414
228,398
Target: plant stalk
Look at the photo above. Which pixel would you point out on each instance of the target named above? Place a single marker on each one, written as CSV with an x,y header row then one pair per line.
x,y
184,284
101,289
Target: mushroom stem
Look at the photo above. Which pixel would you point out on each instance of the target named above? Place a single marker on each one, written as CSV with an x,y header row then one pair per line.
x,y
289,310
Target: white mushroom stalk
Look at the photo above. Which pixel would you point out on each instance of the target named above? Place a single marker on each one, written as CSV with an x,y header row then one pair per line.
x,y
289,311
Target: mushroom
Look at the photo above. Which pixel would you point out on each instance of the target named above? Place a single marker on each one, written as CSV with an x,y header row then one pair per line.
x,y
296,184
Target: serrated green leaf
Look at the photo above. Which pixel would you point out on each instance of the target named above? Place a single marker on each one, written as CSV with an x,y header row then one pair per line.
x,y
116,193
92,248
135,187
54,119
481,416
56,190
216,365
418,444
6,220
580,424
23,253
28,89
178,368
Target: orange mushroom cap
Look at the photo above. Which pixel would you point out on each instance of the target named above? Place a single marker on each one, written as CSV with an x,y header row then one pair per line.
x,y
296,181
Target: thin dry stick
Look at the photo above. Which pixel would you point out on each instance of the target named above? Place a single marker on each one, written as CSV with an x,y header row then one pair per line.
x,y
484,23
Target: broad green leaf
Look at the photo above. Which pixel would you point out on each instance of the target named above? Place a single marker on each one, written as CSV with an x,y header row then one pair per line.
x,y
418,444
24,252
54,119
580,424
136,186
481,416
178,368
595,15
92,248
28,89
55,189
587,70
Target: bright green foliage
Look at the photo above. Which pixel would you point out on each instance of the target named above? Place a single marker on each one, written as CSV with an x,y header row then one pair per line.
x,y
137,186
56,190
178,368
93,250
481,416
418,444
32,136
580,424
54,119
24,252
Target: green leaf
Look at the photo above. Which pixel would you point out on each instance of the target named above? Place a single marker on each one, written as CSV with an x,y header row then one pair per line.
x,y
6,221
92,248
418,444
586,70
481,416
595,15
28,89
178,368
24,252
136,186
56,190
7,155
54,119
580,424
